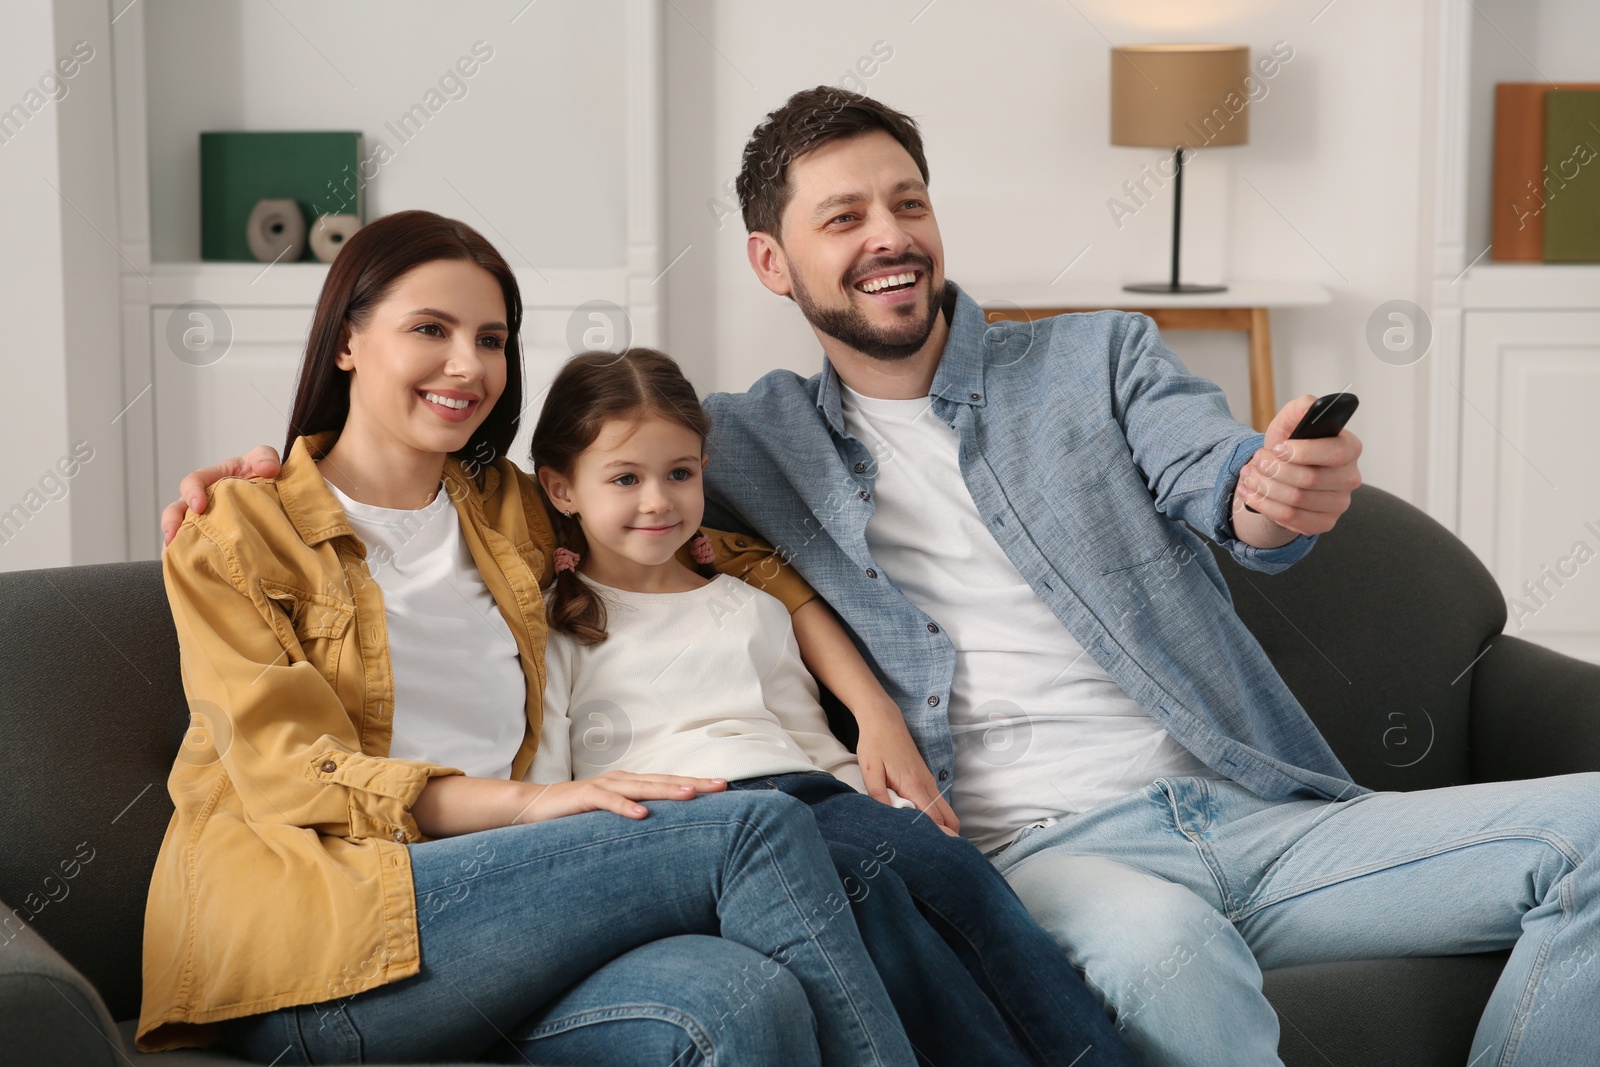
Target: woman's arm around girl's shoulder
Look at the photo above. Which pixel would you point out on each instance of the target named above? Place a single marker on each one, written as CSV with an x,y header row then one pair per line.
x,y
753,560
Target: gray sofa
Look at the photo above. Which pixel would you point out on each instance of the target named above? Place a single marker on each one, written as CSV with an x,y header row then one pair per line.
x,y
1389,632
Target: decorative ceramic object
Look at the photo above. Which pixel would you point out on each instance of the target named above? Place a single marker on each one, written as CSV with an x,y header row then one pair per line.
x,y
330,233
276,231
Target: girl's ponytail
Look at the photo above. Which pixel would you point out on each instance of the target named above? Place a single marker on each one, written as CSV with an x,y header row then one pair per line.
x,y
573,606
592,388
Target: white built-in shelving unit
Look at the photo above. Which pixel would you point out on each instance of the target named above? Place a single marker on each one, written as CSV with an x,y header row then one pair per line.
x,y
1514,440
570,193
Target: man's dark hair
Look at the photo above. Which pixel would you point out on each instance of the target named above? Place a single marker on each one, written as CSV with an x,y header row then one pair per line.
x,y
810,119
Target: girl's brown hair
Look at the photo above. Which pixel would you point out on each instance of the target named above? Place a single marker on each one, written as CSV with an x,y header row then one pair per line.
x,y
363,273
592,389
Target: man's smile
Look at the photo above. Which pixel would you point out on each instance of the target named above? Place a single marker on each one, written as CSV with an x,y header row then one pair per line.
x,y
890,282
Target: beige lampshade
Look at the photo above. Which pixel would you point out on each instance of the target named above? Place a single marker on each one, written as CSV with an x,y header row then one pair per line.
x,y
1165,95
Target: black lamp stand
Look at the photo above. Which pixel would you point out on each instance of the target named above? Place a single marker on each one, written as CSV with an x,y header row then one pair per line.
x,y
1175,286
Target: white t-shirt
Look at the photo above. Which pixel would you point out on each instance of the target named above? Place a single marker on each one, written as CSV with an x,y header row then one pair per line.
x,y
1040,729
459,691
707,683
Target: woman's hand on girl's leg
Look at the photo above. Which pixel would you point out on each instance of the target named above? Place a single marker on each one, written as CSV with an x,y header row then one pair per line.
x,y
616,791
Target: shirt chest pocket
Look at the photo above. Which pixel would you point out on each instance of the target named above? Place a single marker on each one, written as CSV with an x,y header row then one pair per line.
x,y
1104,505
319,623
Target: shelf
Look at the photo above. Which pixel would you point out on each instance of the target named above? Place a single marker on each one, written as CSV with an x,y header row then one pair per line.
x,y
298,285
229,284
1517,286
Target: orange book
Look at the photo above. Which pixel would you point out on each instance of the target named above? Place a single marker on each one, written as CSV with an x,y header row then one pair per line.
x,y
1520,192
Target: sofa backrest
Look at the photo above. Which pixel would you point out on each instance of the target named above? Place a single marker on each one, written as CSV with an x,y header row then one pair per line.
x,y
1375,631
93,711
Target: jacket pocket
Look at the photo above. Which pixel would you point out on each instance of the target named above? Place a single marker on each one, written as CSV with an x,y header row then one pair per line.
x,y
319,623
531,554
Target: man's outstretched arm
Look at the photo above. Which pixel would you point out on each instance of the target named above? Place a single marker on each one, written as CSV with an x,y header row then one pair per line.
x,y
1202,466
260,462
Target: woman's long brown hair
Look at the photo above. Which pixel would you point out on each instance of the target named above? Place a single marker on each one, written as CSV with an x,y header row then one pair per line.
x,y
363,273
590,390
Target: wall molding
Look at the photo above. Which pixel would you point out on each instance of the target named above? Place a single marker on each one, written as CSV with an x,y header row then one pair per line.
x,y
1448,257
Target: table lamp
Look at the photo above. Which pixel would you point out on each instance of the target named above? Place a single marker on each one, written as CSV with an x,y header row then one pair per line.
x,y
1179,96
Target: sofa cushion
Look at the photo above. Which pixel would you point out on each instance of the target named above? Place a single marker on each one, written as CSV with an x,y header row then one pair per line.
x,y
1421,1012
1535,712
52,1016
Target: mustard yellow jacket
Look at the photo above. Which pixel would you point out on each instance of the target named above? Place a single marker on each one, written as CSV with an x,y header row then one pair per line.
x,y
284,876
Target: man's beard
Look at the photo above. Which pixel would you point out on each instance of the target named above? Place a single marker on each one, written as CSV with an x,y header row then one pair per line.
x,y
850,325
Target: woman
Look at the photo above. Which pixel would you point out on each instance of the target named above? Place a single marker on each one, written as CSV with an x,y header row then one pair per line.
x,y
354,871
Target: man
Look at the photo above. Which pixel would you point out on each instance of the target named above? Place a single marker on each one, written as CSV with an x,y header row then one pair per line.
x,y
997,512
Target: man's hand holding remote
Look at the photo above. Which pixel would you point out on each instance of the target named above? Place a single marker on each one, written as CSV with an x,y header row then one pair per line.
x,y
1296,486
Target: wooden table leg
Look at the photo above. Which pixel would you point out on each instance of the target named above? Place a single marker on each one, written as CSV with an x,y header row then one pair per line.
x,y
1262,404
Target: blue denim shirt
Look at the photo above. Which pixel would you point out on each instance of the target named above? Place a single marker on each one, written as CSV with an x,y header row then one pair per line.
x,y
1086,446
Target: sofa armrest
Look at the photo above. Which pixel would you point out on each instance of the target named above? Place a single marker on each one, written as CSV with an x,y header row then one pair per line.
x,y
1535,712
50,1016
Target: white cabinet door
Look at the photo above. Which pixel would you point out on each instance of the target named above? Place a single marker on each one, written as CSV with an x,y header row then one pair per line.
x,y
1530,469
210,407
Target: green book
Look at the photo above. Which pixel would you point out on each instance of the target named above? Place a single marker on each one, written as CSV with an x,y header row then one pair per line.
x,y
1572,177
318,169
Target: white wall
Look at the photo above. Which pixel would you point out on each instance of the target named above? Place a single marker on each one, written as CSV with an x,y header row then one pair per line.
x,y
34,433
91,271
1014,105
529,149
61,478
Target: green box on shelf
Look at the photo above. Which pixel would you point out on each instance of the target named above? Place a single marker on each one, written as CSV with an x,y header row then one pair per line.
x,y
1572,177
318,169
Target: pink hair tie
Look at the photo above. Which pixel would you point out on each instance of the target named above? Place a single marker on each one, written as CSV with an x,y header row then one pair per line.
x,y
700,545
566,560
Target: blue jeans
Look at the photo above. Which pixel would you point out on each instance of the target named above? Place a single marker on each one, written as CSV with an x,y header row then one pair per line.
x,y
974,978
714,931
1171,899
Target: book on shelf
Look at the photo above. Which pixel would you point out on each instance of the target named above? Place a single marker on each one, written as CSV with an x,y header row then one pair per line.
x,y
1521,184
1572,166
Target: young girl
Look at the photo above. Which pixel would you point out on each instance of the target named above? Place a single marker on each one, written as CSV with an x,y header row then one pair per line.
x,y
356,870
670,669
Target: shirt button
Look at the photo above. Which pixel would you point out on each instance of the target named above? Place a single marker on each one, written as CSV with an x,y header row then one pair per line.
x,y
871,573
933,702
740,542
933,628
975,396
859,468
864,495
400,836
944,776
328,766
